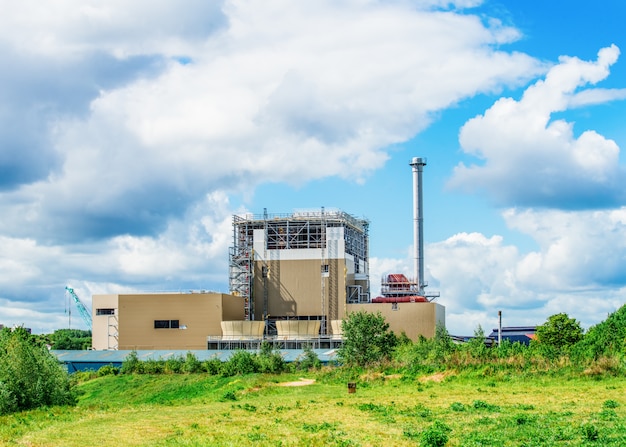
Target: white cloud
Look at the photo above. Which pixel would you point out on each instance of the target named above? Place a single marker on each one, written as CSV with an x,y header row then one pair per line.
x,y
578,269
285,92
532,160
71,28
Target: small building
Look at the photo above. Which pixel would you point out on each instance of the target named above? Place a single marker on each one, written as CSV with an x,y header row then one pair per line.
x,y
521,334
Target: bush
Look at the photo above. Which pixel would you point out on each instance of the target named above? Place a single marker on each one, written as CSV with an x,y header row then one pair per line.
x,y
192,364
241,362
132,364
270,361
590,432
308,360
108,370
213,366
367,339
436,435
606,339
559,332
174,365
30,377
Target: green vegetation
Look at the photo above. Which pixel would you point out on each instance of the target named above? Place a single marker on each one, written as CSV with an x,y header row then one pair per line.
x,y
367,339
560,332
463,408
30,377
70,339
430,393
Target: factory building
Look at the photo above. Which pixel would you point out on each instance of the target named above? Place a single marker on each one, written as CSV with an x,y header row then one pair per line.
x,y
301,266
293,278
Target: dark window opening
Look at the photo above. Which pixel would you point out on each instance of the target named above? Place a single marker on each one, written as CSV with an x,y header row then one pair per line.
x,y
105,311
166,324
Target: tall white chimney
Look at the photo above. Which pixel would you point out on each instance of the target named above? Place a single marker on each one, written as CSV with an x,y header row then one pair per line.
x,y
418,164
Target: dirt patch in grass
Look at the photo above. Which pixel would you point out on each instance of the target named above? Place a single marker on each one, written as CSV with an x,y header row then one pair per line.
x,y
437,377
301,382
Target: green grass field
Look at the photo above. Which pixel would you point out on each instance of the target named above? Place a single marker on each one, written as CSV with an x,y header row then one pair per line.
x,y
202,410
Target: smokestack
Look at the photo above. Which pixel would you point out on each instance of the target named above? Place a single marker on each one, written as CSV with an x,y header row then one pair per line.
x,y
418,164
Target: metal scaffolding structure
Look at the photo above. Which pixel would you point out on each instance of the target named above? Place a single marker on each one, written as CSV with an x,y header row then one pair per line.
x,y
299,230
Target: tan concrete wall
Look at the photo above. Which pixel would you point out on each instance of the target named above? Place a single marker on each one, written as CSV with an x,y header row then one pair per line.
x,y
414,319
232,308
100,333
200,313
294,287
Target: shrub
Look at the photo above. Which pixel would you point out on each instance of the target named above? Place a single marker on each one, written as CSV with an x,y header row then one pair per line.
x,y
270,361
152,366
108,370
213,366
131,364
457,406
367,339
229,396
476,345
436,435
559,332
241,362
30,377
308,360
590,432
605,339
192,364
174,365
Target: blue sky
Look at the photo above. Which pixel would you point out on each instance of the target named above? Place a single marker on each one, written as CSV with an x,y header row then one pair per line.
x,y
130,135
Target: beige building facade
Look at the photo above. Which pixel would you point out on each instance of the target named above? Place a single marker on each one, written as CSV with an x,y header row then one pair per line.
x,y
414,319
161,320
305,265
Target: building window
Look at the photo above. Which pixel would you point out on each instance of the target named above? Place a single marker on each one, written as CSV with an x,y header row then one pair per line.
x,y
166,324
325,268
105,311
394,306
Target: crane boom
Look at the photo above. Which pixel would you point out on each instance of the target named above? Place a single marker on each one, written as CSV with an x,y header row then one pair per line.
x,y
82,310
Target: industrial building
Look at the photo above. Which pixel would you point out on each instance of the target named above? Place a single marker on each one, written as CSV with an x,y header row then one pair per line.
x,y
303,266
150,321
293,278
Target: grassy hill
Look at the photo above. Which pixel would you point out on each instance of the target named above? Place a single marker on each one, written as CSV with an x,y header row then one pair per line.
x,y
470,409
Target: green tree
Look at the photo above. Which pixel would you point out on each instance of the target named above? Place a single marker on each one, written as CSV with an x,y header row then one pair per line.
x,y
30,377
367,339
607,338
71,339
560,332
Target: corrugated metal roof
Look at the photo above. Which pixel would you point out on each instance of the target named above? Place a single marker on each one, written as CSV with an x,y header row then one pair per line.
x,y
85,360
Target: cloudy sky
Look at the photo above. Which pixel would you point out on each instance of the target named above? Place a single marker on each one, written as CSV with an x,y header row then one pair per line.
x,y
130,133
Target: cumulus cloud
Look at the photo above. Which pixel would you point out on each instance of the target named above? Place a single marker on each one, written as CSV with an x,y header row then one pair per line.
x,y
531,159
193,248
275,92
577,269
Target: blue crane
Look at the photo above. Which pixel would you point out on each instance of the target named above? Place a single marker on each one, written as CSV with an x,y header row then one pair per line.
x,y
82,310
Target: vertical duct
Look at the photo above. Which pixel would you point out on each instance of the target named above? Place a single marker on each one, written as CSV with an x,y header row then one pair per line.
x,y
418,164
